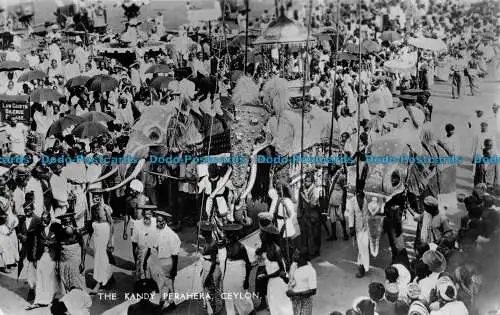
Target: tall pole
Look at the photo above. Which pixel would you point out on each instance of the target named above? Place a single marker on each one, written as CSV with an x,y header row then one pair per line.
x,y
334,92
306,60
247,8
276,8
360,88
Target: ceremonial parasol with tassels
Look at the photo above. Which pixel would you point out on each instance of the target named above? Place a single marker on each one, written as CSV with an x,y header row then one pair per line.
x,y
284,31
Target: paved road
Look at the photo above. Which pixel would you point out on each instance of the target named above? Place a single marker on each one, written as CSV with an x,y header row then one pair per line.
x,y
337,286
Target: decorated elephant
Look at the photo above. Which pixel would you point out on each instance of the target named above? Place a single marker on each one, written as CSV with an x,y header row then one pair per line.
x,y
398,186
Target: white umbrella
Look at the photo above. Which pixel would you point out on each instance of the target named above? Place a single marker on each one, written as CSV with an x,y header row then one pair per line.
x,y
399,66
432,44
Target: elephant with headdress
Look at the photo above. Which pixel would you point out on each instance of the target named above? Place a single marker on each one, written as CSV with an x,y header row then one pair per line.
x,y
400,186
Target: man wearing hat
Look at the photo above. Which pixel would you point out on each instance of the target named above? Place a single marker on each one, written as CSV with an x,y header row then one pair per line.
x,y
28,223
162,257
103,229
135,199
144,229
447,302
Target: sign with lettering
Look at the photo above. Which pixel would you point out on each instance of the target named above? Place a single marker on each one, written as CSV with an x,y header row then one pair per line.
x,y
16,106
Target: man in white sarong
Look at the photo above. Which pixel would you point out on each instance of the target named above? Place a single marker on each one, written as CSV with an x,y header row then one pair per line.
x,y
141,237
162,258
102,225
358,226
45,251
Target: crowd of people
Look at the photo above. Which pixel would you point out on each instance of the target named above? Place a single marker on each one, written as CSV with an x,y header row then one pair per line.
x,y
51,212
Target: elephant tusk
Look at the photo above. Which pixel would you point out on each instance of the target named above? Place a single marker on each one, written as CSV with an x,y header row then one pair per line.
x,y
251,180
103,177
134,174
253,170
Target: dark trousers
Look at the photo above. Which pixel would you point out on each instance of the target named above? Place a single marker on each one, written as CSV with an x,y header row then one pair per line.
x,y
310,233
456,83
261,283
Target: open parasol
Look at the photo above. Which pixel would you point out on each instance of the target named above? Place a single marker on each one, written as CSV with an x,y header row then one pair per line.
x,y
96,117
283,31
88,129
102,83
10,65
45,95
391,36
32,75
347,56
159,68
80,80
432,44
64,124
399,66
161,83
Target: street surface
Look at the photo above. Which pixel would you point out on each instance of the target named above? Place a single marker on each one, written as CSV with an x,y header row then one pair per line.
x,y
337,285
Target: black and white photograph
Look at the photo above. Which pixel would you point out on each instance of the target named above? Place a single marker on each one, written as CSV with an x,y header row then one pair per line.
x,y
249,157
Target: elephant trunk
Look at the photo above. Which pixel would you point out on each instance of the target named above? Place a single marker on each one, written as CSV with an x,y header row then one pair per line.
x,y
245,133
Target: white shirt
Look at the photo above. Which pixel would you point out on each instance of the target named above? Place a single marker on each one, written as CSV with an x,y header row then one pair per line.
x,y
143,234
28,222
18,138
305,278
60,187
166,243
35,186
452,308
426,286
